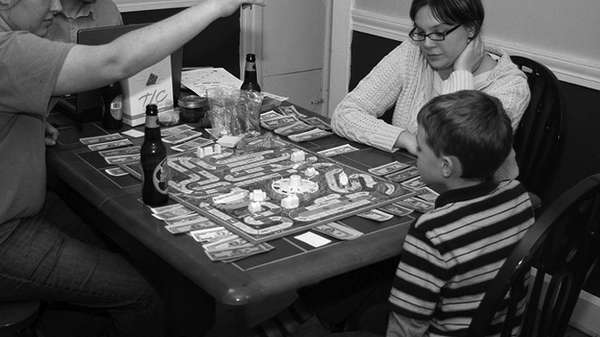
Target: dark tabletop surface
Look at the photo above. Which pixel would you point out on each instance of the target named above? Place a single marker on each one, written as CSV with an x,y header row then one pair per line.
x,y
288,267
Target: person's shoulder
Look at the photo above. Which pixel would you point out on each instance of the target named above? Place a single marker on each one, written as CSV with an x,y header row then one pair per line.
x,y
504,64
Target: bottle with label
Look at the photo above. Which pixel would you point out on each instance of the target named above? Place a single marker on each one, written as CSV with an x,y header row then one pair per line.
x,y
250,82
112,116
152,156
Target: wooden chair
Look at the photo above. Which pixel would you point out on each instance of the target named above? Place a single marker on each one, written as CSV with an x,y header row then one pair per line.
x,y
539,135
17,318
563,246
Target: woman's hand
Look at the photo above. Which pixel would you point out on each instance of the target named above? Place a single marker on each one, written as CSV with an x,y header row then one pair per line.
x,y
51,135
407,141
471,57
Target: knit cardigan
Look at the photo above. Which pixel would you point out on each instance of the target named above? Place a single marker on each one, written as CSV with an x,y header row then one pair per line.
x,y
405,78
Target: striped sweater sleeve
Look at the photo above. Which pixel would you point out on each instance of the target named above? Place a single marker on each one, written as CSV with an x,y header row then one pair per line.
x,y
356,116
420,276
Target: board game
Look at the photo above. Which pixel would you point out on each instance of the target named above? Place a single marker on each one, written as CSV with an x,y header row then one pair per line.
x,y
268,188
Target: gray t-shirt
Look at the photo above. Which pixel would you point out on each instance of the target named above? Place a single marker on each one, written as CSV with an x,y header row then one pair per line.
x,y
29,68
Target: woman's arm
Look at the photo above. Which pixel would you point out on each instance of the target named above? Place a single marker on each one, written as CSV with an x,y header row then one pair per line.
x,y
89,67
356,117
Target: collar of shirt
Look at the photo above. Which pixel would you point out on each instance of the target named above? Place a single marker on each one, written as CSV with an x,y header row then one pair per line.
x,y
84,10
467,193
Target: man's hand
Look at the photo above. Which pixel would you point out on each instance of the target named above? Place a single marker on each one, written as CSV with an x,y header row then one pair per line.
x,y
51,135
471,57
227,7
407,141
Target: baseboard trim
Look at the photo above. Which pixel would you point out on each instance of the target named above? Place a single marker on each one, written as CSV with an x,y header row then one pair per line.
x,y
567,68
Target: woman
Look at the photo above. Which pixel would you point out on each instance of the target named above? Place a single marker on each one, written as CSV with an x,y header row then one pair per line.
x,y
39,257
446,54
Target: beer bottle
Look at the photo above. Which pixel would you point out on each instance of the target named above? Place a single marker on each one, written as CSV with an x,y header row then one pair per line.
x,y
250,83
152,155
112,117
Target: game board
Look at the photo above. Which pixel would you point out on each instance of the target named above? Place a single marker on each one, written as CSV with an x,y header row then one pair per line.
x,y
271,188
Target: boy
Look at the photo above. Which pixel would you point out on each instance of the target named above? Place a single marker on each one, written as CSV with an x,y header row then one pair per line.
x,y
454,251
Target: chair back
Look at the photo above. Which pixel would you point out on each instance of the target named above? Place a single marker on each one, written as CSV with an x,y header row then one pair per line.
x,y
539,135
563,247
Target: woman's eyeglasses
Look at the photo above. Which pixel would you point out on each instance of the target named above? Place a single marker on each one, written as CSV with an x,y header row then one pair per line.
x,y
435,36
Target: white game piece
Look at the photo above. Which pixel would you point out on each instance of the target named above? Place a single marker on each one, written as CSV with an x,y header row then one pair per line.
x,y
311,172
295,180
200,152
254,207
258,196
343,177
217,148
291,201
297,156
208,151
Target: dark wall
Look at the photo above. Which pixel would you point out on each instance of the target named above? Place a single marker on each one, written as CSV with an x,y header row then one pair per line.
x,y
218,45
580,153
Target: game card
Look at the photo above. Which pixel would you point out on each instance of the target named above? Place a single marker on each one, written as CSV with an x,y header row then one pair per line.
x,y
110,145
100,139
186,227
318,123
414,183
240,252
295,127
192,144
290,110
133,133
416,204
208,235
182,136
376,215
338,231
427,194
275,123
269,115
309,135
312,239
407,173
118,160
175,130
123,151
173,213
388,168
227,243
178,220
116,172
165,208
334,151
396,209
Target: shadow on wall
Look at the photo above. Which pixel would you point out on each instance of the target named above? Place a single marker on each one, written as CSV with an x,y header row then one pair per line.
x,y
218,45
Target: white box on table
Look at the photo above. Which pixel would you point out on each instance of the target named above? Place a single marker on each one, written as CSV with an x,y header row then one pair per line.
x,y
152,85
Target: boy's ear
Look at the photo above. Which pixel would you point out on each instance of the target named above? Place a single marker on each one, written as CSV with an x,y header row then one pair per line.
x,y
451,167
447,166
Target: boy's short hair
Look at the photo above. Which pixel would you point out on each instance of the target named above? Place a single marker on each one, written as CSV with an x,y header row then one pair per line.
x,y
470,125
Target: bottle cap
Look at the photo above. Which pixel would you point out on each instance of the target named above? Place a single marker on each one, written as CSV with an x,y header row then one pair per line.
x,y
250,57
151,109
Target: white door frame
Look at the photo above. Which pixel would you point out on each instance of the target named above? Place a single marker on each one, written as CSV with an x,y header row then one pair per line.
x,y
339,50
336,55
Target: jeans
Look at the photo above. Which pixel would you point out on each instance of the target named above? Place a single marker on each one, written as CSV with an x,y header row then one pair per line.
x,y
52,256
